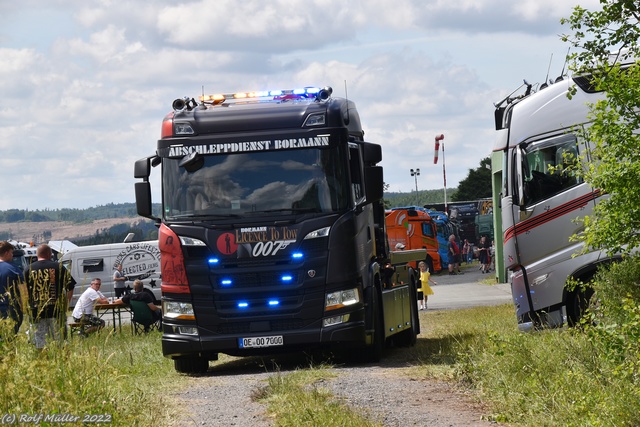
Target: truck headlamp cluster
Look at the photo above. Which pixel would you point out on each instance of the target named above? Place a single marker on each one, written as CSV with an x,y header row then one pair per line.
x,y
321,232
339,299
178,310
190,241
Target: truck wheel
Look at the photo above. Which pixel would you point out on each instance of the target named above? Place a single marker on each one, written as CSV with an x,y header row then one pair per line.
x,y
191,365
373,352
429,263
577,303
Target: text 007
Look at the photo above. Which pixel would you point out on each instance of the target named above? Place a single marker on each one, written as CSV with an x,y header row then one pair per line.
x,y
258,342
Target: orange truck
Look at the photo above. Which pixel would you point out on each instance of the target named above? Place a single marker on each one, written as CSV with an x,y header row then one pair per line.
x,y
414,228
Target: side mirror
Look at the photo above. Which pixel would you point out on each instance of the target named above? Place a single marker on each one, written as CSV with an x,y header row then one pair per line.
x,y
374,183
372,153
142,168
143,199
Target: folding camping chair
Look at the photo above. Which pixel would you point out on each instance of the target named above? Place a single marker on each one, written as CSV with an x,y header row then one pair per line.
x,y
142,318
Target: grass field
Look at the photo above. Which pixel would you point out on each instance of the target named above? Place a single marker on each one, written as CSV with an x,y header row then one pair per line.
x,y
548,378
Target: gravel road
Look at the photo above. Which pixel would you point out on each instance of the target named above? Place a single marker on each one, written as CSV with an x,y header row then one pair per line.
x,y
223,396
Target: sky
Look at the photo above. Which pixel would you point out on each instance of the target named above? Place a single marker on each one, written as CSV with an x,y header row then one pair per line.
x,y
84,86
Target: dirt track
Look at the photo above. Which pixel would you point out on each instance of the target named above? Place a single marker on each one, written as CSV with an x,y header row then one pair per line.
x,y
33,231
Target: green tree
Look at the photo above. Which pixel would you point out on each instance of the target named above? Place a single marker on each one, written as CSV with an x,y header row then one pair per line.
x,y
605,39
477,185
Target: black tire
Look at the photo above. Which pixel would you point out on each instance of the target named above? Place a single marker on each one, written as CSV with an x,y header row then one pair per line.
x,y
429,263
373,352
191,365
409,337
577,303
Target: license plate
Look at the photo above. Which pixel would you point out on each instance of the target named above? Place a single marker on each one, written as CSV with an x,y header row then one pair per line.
x,y
259,342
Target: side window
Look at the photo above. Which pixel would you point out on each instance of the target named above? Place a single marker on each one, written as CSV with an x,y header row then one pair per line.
x,y
427,230
92,265
549,168
355,166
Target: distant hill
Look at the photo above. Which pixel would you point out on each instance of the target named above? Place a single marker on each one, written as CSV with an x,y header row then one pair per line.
x,y
101,224
111,222
110,210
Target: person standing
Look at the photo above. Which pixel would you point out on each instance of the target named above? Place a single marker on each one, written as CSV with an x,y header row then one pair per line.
x,y
467,251
83,311
50,289
425,290
119,280
454,256
10,279
483,254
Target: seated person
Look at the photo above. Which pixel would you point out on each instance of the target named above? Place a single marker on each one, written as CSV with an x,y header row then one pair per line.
x,y
83,310
139,295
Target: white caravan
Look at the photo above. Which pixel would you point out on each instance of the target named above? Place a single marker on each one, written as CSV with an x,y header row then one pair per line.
x,y
140,260
539,207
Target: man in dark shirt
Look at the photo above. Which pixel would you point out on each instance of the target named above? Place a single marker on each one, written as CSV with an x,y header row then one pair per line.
x,y
10,278
50,289
139,295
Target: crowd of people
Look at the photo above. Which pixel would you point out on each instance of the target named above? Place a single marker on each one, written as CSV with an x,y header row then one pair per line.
x,y
43,291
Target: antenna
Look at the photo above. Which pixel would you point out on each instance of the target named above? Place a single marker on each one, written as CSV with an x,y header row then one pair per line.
x,y
545,84
202,105
346,96
566,58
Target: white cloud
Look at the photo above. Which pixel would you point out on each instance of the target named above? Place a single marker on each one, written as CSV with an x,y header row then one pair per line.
x,y
85,86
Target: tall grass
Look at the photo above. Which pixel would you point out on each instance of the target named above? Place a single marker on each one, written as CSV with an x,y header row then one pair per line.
x,y
572,377
585,376
120,376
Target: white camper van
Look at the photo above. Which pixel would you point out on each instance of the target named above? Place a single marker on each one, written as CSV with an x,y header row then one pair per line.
x,y
140,260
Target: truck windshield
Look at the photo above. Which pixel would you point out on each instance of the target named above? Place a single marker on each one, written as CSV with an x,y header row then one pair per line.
x,y
280,182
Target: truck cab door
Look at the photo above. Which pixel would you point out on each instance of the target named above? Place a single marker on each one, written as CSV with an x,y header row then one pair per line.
x,y
550,197
510,203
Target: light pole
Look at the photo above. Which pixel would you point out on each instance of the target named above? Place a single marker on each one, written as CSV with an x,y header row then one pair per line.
x,y
415,173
